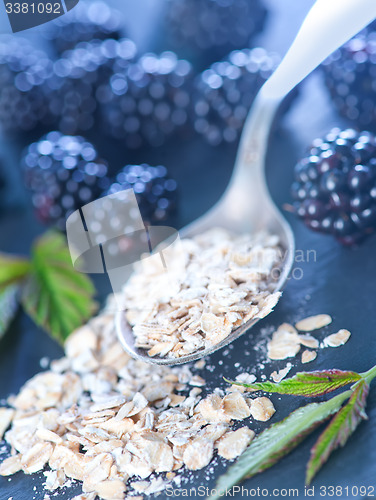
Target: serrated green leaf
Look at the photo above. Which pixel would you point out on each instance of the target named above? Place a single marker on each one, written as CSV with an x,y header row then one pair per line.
x,y
339,430
56,296
278,440
12,270
308,384
8,306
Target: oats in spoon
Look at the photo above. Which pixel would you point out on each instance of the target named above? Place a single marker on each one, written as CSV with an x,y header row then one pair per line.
x,y
218,281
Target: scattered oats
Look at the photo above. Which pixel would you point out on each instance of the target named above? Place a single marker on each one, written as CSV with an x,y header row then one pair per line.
x,y
232,444
308,341
196,391
197,381
211,409
10,466
6,415
262,409
285,343
200,364
246,378
46,435
235,406
279,375
85,496
313,322
337,339
140,486
111,490
54,479
102,418
308,356
36,458
198,454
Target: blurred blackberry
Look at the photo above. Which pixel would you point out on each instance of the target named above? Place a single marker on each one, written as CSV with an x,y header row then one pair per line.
x,y
224,93
209,29
155,190
23,71
148,101
85,22
63,173
335,187
350,75
78,75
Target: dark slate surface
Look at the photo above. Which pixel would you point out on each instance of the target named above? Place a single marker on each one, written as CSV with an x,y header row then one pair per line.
x,y
337,280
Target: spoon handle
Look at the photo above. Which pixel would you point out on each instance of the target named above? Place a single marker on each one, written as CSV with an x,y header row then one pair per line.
x,y
327,26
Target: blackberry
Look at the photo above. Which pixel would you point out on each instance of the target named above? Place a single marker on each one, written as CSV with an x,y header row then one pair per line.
x,y
209,29
224,93
148,101
335,185
155,190
23,71
350,75
85,22
77,76
63,173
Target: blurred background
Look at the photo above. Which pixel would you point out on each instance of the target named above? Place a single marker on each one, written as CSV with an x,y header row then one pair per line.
x,y
153,95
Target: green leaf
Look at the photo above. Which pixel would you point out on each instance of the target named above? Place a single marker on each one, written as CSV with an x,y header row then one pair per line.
x,y
309,384
12,270
8,306
278,440
339,430
56,296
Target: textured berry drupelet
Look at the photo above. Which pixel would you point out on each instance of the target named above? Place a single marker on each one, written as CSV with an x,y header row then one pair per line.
x,y
63,173
87,21
224,93
146,102
209,29
23,71
155,190
350,75
335,185
76,78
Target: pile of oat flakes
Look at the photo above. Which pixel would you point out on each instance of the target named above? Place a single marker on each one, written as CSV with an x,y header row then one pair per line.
x,y
102,418
220,281
111,422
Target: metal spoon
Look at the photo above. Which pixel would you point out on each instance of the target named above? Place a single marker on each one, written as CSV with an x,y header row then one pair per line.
x,y
246,206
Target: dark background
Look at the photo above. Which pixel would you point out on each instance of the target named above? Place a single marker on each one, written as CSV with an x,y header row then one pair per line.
x,y
340,281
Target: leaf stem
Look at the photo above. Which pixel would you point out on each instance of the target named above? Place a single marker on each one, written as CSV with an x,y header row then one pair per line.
x,y
369,375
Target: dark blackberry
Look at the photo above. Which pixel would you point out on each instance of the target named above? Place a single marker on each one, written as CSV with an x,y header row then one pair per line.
x,y
335,185
63,173
23,71
155,190
350,75
148,101
78,75
85,22
209,29
224,93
